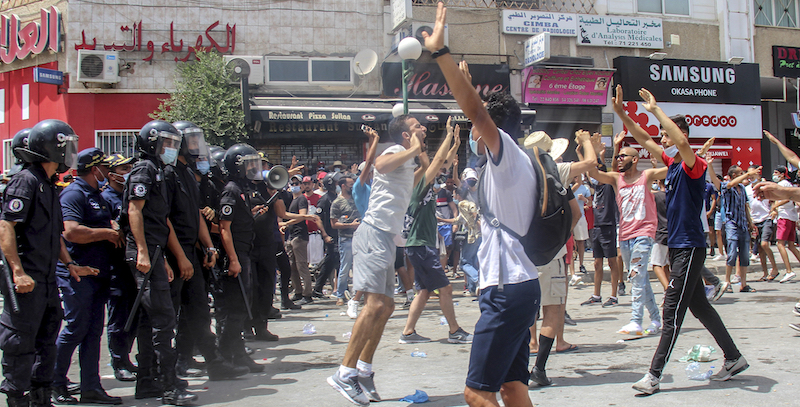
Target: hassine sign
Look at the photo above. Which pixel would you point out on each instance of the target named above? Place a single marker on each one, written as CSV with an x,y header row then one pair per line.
x,y
689,81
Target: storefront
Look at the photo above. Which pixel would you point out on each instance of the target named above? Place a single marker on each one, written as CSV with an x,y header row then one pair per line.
x,y
719,100
780,101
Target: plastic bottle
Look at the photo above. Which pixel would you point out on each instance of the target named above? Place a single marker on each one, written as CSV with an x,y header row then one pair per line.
x,y
442,321
418,354
694,371
309,329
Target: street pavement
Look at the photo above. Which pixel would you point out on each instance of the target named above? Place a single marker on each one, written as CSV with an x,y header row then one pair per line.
x,y
599,373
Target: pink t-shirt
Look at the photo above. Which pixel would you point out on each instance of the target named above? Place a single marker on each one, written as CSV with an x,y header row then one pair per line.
x,y
637,209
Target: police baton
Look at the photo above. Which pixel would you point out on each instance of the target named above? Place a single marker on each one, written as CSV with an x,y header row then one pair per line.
x,y
244,296
9,283
139,295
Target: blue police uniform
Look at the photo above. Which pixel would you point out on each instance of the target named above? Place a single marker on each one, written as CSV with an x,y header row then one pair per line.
x,y
84,301
28,339
121,295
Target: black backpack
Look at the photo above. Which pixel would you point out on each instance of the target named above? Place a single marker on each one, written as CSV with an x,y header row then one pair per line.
x,y
551,225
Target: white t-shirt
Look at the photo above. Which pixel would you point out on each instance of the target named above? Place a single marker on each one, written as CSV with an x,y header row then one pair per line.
x,y
759,210
787,210
513,206
391,194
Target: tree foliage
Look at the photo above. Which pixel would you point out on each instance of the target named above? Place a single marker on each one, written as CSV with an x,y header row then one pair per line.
x,y
204,96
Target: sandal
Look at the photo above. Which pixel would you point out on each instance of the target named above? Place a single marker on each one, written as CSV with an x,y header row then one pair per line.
x,y
772,277
764,278
747,289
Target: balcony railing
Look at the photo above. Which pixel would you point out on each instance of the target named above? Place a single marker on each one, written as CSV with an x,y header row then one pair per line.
x,y
563,6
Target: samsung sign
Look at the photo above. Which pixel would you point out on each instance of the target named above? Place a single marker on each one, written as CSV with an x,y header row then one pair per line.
x,y
689,81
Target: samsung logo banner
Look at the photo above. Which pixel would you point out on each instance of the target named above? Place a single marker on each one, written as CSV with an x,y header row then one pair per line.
x,y
689,81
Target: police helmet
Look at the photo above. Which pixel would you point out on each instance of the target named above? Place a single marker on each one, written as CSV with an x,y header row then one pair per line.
x,y
20,141
330,180
194,144
159,139
242,162
51,141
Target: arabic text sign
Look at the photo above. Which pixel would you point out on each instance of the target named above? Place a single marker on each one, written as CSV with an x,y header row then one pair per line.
x,y
565,86
223,47
401,12
17,41
537,48
535,22
628,32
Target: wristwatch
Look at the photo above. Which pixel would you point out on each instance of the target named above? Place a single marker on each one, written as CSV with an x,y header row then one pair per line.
x,y
72,263
441,51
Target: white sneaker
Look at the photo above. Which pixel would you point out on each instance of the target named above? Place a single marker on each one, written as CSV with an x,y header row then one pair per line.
x,y
736,279
653,329
788,277
631,329
718,257
649,384
352,309
575,280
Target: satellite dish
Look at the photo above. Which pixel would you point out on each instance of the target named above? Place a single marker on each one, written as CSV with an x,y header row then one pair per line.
x,y
365,61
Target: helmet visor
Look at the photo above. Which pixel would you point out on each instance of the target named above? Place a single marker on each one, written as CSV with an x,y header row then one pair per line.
x,y
169,144
195,142
71,151
252,167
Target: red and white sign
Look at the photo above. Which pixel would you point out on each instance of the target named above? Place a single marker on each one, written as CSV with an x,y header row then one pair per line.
x,y
705,120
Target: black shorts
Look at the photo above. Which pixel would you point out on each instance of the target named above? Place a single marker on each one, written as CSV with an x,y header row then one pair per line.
x,y
604,242
400,259
428,272
500,351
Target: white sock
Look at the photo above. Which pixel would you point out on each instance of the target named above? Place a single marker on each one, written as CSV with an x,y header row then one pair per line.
x,y
346,372
612,298
364,368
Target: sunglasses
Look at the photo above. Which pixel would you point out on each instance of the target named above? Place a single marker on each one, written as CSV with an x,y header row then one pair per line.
x,y
622,156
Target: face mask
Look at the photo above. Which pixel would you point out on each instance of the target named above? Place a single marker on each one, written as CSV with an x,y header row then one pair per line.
x,y
337,169
456,201
169,155
473,144
671,151
776,178
125,177
203,167
295,189
655,187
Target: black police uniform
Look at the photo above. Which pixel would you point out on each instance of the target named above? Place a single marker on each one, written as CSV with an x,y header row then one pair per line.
x,y
84,301
121,295
282,258
28,339
330,263
268,244
231,307
190,296
156,328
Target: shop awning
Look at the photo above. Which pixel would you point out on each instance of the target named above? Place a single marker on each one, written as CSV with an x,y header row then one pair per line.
x,y
356,110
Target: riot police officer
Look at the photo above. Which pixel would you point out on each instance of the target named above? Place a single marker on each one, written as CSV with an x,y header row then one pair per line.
x,y
236,231
330,263
90,239
189,291
30,237
122,284
145,208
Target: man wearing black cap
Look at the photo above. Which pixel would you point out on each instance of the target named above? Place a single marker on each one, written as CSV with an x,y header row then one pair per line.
x,y
91,240
123,286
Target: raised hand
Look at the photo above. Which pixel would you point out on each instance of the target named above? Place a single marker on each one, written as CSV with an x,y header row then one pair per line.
x,y
649,100
619,138
435,41
616,101
464,67
772,139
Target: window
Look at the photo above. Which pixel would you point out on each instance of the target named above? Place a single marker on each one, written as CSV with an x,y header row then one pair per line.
x,y
8,155
680,7
572,6
779,13
116,141
310,71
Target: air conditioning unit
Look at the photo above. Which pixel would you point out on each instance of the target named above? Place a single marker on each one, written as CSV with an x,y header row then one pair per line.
x,y
256,64
98,66
418,28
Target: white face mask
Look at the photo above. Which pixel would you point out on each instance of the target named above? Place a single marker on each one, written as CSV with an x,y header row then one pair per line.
x,y
776,178
671,151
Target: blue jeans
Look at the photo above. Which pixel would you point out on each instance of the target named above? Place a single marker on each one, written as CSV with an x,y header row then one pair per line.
x,y
345,264
469,263
738,244
642,295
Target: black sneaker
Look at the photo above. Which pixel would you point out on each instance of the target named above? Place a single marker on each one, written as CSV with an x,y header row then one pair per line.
x,y
592,300
178,397
583,269
539,377
610,302
274,313
568,320
317,294
305,300
289,304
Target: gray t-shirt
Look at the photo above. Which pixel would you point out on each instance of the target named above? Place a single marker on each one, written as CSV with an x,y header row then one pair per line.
x,y
391,194
344,210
